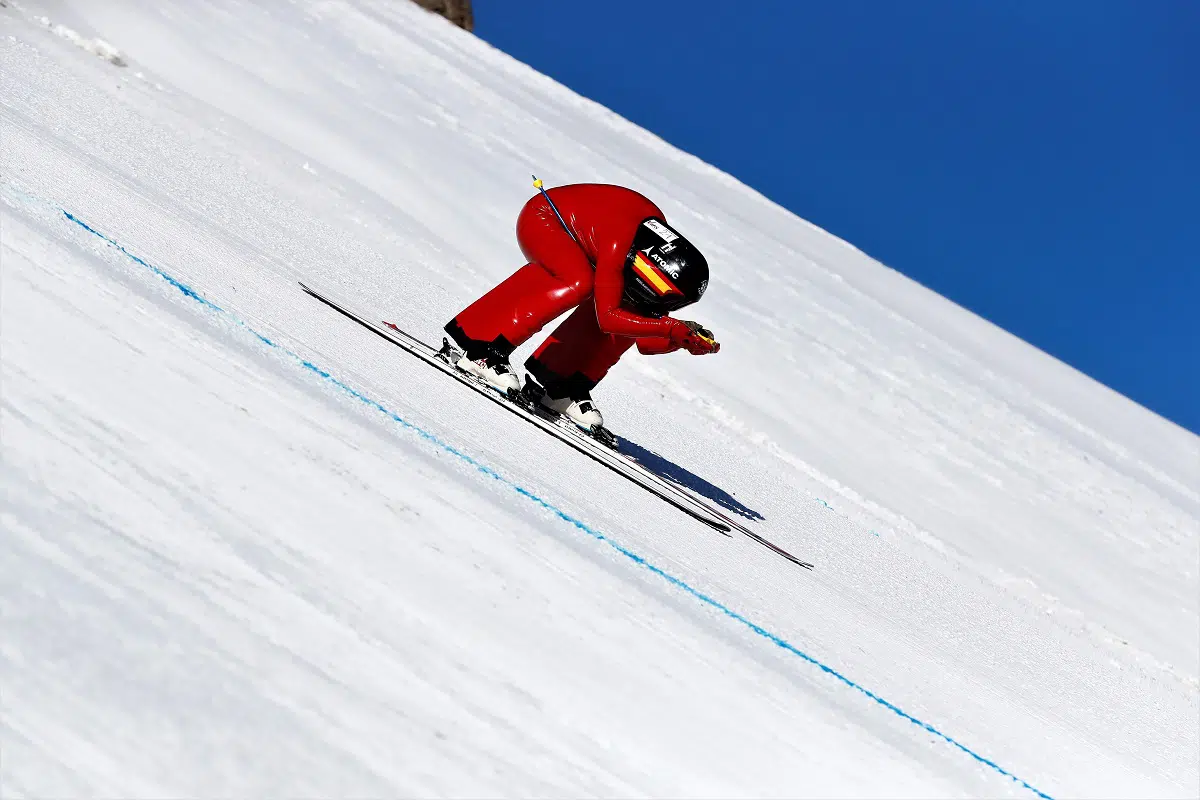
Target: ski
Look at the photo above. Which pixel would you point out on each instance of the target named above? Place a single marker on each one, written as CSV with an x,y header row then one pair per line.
x,y
601,449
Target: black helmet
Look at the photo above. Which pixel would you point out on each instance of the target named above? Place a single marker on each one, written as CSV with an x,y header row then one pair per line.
x,y
663,271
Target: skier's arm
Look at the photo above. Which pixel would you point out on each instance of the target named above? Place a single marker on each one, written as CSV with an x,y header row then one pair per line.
x,y
618,321
656,345
666,334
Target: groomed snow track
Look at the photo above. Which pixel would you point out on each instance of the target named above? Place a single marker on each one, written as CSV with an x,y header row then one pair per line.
x,y
250,549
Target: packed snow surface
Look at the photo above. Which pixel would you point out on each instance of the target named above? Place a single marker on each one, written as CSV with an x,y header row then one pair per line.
x,y
249,549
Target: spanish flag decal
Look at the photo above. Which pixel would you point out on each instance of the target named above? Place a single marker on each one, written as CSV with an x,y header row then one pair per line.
x,y
653,276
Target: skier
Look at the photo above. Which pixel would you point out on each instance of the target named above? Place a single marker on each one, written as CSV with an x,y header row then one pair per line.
x,y
615,260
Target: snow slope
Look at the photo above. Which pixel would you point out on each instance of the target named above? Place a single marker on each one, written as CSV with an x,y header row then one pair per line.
x,y
249,549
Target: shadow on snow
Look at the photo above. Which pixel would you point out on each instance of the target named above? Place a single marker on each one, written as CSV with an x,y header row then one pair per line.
x,y
670,471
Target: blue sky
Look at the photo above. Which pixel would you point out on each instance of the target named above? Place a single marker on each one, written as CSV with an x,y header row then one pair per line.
x,y
1034,161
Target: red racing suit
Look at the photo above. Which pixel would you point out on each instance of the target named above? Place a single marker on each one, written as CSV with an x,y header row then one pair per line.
x,y
560,276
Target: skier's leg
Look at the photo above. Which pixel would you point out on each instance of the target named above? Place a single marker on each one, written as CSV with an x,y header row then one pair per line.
x,y
507,315
576,356
558,277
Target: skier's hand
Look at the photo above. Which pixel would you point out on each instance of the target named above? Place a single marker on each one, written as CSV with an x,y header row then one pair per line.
x,y
694,337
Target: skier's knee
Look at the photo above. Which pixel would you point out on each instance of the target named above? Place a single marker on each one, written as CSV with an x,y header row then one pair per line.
x,y
579,289
569,293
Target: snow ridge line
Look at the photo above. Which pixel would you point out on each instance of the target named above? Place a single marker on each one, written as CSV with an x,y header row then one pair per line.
x,y
580,525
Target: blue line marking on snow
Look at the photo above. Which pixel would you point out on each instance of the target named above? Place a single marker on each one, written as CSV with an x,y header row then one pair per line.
x,y
558,512
187,290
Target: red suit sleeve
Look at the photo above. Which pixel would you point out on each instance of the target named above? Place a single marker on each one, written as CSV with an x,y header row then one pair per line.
x,y
612,319
656,346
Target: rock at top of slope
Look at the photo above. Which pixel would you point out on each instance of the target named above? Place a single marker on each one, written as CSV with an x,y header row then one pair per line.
x,y
457,11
